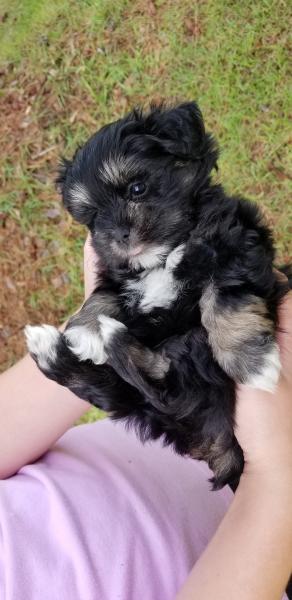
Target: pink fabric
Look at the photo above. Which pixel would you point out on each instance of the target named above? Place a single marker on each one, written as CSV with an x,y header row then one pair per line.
x,y
101,517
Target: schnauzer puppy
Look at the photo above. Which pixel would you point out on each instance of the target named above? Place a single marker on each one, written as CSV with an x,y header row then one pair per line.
x,y
187,305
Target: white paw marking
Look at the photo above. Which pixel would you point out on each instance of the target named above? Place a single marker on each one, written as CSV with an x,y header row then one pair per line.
x,y
86,344
267,380
156,288
108,327
91,345
42,341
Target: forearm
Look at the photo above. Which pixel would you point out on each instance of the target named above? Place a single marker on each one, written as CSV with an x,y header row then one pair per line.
x,y
250,556
34,413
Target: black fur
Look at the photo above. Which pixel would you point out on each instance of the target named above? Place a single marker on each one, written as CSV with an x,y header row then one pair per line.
x,y
169,372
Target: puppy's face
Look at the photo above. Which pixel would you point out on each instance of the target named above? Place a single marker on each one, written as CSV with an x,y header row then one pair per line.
x,y
133,183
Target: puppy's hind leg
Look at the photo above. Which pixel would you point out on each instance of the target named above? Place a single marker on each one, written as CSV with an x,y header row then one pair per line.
x,y
242,337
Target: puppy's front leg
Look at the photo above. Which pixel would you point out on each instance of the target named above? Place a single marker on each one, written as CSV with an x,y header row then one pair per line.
x,y
242,337
97,334
58,354
108,340
83,334
99,385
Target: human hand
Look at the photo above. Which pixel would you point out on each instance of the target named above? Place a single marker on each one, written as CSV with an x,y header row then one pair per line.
x,y
91,272
249,557
92,268
264,420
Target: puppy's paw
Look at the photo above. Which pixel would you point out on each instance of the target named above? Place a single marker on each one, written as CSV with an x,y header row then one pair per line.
x,y
86,344
109,328
42,342
222,453
268,376
92,345
227,468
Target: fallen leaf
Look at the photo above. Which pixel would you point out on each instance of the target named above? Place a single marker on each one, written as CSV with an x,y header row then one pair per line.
x,y
192,27
73,116
5,332
151,8
9,284
43,152
60,280
53,213
279,173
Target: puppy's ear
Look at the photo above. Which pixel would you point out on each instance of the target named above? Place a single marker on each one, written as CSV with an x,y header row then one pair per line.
x,y
75,195
181,132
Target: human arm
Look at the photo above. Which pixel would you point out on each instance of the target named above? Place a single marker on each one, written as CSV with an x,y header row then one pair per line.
x,y
35,411
250,555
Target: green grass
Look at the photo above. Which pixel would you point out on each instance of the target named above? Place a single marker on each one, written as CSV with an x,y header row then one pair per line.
x,y
80,64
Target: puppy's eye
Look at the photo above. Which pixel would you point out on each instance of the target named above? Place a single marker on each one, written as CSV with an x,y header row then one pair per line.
x,y
137,189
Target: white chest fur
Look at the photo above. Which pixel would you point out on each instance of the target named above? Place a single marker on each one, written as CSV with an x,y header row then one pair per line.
x,y
156,288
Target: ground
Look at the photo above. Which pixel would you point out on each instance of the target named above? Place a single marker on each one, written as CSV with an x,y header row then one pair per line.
x,y
68,67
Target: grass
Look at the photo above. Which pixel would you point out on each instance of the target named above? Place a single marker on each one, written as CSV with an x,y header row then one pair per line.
x,y
67,67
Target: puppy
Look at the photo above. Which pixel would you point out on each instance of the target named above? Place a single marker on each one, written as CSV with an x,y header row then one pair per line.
x,y
187,307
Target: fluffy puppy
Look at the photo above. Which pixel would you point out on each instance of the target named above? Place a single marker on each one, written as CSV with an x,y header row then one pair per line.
x,y
188,305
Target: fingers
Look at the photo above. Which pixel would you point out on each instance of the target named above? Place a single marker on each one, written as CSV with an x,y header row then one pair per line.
x,y
280,276
285,334
91,268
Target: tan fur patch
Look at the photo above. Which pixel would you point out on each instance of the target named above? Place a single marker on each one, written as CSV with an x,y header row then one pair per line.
x,y
117,170
220,454
153,363
229,329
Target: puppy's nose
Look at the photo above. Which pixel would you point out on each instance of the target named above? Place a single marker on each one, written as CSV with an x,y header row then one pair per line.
x,y
122,235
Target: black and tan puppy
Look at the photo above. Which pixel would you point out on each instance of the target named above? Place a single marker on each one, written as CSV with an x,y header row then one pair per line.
x,y
188,304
